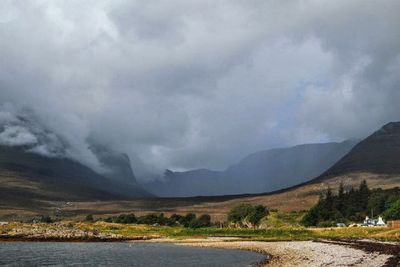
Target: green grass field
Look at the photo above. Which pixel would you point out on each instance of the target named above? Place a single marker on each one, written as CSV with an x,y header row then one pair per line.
x,y
276,227
268,234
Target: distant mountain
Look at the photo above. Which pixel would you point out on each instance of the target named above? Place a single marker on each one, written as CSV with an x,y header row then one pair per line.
x,y
25,175
375,159
263,171
117,165
377,154
38,165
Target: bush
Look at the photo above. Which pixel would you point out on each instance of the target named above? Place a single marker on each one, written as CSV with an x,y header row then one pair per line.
x,y
122,218
257,214
89,218
393,211
203,221
326,224
45,219
187,219
149,219
239,212
243,213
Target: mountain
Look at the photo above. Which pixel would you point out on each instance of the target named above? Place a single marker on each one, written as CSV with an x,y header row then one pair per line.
x,y
377,154
26,175
36,164
117,165
263,171
375,159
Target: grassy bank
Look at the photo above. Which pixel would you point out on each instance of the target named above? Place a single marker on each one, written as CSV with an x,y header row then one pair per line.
x,y
144,231
276,226
269,234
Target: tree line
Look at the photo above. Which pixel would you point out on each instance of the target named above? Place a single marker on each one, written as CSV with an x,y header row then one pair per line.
x,y
241,216
189,220
353,204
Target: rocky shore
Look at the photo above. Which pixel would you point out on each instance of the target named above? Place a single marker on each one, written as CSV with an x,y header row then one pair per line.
x,y
58,232
313,253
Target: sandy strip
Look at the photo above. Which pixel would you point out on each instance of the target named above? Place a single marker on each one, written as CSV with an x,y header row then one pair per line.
x,y
300,253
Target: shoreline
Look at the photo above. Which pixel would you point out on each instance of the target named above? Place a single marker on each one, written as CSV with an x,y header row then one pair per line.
x,y
319,252
72,240
309,253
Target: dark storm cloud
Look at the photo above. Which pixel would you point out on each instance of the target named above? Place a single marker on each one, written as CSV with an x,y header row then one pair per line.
x,y
186,84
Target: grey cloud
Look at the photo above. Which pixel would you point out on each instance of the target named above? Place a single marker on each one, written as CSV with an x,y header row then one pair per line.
x,y
188,84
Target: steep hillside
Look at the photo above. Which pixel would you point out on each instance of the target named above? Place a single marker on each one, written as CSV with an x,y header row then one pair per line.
x,y
377,154
28,177
263,171
36,164
117,165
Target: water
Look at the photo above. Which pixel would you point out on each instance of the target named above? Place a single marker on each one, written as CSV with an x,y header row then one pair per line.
x,y
119,254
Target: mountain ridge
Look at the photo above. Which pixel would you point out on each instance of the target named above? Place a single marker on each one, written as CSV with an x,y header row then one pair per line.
x,y
259,172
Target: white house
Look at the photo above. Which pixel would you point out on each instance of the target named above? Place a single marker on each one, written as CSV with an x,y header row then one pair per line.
x,y
373,222
380,222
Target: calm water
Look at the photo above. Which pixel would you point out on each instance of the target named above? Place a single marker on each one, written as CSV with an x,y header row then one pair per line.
x,y
119,254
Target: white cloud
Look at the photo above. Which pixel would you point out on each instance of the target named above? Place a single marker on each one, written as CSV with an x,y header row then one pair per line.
x,y
17,136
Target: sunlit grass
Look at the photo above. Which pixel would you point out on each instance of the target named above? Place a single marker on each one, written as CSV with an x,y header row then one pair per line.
x,y
283,232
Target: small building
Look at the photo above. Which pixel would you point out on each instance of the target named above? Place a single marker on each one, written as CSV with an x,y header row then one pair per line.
x,y
380,222
369,222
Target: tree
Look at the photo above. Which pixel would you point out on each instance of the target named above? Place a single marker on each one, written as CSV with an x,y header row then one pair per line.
x,y
173,219
353,205
125,218
187,219
149,219
239,212
203,221
247,213
257,214
393,211
363,195
311,218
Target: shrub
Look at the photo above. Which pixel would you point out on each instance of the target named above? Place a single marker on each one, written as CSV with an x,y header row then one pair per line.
x,y
239,212
393,211
244,213
45,219
122,218
149,219
89,218
257,214
203,221
187,219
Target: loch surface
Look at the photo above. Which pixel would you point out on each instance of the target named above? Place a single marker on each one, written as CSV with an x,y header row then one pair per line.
x,y
119,254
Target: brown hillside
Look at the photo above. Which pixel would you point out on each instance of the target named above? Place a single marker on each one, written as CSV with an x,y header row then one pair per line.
x,y
379,153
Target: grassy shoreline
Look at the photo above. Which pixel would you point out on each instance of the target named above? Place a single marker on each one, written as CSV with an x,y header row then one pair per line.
x,y
102,231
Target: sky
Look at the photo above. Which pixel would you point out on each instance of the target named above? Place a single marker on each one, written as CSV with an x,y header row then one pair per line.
x,y
184,84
